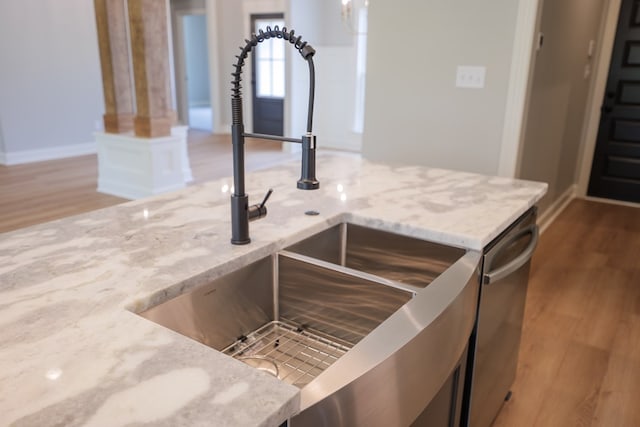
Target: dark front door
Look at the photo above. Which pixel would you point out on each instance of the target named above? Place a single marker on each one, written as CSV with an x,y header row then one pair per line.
x,y
268,79
615,173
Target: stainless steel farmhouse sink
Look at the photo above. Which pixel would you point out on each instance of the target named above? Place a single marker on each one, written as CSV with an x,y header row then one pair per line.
x,y
345,315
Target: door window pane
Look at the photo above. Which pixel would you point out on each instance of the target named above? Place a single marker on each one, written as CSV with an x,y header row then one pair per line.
x,y
263,49
278,49
270,70
263,80
277,87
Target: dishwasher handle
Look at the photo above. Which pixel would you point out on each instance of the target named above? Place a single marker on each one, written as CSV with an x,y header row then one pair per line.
x,y
517,262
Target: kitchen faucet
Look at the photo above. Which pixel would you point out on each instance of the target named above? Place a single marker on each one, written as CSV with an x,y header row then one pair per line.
x,y
241,212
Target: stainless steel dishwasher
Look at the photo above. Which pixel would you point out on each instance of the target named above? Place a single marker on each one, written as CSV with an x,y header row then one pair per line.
x,y
493,350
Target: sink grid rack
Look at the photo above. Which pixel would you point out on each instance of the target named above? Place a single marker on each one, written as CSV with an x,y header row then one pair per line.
x,y
293,353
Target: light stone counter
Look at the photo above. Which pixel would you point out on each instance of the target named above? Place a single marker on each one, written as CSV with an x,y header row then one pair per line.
x,y
74,353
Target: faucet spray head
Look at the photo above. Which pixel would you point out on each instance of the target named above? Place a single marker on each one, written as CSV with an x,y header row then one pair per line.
x,y
308,179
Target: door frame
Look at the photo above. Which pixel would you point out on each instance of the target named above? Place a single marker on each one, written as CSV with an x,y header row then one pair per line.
x,y
258,7
608,29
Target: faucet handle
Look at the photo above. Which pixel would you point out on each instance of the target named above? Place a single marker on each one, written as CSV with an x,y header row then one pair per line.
x,y
266,197
259,211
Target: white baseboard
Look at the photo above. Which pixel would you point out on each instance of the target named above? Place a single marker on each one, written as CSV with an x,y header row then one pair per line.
x,y
352,144
552,212
200,104
611,201
42,154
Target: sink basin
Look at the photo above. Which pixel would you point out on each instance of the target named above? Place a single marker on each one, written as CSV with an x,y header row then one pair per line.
x,y
370,325
393,256
284,316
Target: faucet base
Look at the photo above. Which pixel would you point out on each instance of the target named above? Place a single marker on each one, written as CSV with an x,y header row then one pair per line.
x,y
240,242
240,220
306,184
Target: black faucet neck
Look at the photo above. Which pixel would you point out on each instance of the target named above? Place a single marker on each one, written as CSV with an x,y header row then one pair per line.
x,y
241,212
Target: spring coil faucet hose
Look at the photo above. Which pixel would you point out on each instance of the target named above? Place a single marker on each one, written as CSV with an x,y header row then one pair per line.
x,y
306,51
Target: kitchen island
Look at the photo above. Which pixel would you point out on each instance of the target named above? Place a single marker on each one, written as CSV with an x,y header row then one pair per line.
x,y
73,350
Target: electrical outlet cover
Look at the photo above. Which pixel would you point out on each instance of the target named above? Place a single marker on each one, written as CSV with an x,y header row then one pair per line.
x,y
471,76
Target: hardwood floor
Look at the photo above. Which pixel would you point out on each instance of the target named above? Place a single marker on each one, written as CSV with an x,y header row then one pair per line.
x,y
580,354
579,359
39,192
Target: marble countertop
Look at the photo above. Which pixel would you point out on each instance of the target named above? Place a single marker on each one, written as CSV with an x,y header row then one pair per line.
x,y
74,352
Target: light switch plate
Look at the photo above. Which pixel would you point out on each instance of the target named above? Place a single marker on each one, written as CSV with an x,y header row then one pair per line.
x,y
471,76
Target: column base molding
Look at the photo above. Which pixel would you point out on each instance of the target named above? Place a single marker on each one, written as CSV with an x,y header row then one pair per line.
x,y
132,167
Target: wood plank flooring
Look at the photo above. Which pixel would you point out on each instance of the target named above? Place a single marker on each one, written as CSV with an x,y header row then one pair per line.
x,y
580,356
39,192
579,361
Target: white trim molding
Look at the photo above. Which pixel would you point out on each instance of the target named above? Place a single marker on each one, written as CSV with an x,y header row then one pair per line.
x,y
42,154
552,212
516,107
612,202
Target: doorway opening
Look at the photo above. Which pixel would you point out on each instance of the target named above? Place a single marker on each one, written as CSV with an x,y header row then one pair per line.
x,y
615,171
193,90
197,72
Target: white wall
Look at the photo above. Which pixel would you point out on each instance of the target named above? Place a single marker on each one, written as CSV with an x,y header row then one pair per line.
x,y
51,84
230,36
319,22
1,139
414,112
49,75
